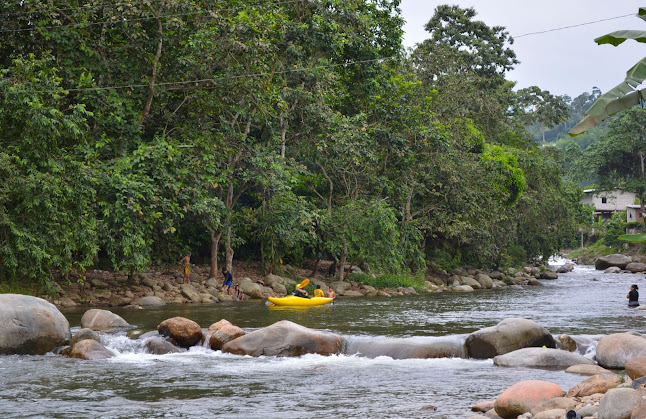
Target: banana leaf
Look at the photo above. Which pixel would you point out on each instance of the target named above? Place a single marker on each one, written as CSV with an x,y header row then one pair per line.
x,y
625,94
633,238
619,37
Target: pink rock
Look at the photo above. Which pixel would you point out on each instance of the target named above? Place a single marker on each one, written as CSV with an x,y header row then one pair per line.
x,y
522,397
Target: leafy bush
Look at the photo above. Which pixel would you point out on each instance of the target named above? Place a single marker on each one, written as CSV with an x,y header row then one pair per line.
x,y
615,227
389,280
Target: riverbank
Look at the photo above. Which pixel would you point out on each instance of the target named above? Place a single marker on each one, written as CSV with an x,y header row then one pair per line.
x,y
164,285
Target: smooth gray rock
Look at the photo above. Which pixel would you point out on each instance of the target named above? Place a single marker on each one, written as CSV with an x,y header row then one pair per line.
x,y
150,301
160,346
604,262
541,358
30,325
89,349
285,339
618,403
507,336
635,267
614,350
97,319
612,270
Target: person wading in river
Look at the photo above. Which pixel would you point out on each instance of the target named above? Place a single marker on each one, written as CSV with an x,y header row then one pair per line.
x,y
633,296
228,280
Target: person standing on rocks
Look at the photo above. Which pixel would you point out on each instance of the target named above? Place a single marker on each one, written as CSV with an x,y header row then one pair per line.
x,y
186,263
228,280
633,296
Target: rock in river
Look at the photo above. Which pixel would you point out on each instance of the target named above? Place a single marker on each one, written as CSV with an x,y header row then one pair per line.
x,y
604,262
524,396
30,325
614,350
540,358
507,336
285,339
89,349
182,331
97,319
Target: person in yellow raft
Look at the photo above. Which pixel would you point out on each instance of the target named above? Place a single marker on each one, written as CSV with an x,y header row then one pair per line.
x,y
318,292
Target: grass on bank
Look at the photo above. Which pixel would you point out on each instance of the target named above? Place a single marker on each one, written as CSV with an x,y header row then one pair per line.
x,y
16,287
391,281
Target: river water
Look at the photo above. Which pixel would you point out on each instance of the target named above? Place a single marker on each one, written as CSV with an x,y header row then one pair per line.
x,y
585,304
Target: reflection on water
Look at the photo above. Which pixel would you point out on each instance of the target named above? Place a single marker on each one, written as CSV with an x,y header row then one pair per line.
x,y
204,383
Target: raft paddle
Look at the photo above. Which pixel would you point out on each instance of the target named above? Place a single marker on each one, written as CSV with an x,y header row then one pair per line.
x,y
303,283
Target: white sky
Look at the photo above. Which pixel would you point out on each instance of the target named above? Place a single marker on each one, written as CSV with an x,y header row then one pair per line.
x,y
564,62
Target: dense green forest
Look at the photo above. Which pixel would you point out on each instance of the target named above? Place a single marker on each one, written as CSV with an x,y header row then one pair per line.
x,y
131,133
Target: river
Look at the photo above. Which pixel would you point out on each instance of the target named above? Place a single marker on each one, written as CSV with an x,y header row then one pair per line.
x,y
585,304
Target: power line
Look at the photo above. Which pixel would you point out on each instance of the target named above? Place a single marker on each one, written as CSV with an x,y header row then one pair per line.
x,y
216,79
572,26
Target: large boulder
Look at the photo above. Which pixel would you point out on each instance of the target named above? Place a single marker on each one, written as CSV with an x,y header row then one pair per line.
x,y
90,350
97,319
223,332
604,262
614,350
250,288
548,275
599,383
160,346
467,280
636,367
524,396
30,325
182,331
285,338
618,403
540,358
340,287
507,336
408,348
635,267
150,301
485,281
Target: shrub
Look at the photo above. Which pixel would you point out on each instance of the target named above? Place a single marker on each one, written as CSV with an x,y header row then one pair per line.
x,y
389,280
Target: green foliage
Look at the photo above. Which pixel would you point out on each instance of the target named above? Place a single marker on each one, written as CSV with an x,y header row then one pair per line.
x,y
624,95
389,281
507,178
515,255
615,228
273,129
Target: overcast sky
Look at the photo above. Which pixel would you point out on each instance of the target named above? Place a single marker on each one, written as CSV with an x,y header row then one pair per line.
x,y
567,61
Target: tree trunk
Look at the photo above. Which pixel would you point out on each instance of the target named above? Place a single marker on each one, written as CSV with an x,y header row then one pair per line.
x,y
344,256
228,248
215,245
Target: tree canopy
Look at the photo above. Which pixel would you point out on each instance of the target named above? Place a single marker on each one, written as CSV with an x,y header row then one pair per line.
x,y
132,133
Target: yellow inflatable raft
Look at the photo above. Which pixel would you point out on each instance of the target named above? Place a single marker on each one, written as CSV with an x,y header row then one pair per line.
x,y
291,300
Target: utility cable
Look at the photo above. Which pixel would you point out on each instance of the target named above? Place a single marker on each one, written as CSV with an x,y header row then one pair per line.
x,y
572,26
216,79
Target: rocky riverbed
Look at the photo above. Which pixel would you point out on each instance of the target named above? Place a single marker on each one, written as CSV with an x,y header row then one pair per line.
x,y
614,387
159,287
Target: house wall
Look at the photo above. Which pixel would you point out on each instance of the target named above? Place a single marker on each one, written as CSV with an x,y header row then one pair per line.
x,y
633,213
616,200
